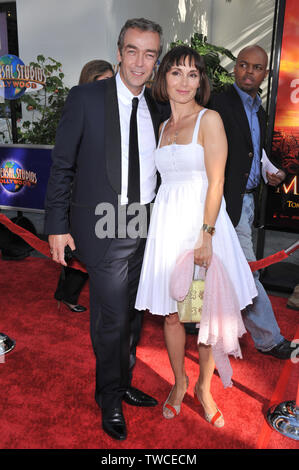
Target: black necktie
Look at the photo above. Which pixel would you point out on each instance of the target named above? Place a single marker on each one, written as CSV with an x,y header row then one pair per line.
x,y
133,172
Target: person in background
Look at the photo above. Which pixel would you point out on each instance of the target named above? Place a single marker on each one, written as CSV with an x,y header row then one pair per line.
x,y
244,121
72,281
293,300
95,70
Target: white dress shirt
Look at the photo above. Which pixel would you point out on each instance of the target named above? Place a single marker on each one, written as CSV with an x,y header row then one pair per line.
x,y
146,143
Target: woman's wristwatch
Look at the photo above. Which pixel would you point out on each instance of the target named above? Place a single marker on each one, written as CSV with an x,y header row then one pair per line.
x,y
208,228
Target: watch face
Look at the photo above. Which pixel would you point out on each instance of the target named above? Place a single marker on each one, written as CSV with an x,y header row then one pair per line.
x,y
209,229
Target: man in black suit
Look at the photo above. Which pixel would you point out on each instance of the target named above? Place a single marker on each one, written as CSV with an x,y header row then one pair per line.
x,y
95,171
245,124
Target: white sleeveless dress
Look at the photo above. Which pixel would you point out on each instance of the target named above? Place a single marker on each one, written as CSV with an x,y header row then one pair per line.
x,y
176,221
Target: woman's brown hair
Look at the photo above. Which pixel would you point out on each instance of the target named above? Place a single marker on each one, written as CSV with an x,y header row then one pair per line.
x,y
178,56
94,69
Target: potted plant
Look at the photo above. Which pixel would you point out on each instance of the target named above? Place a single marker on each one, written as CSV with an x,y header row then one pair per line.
x,y
218,75
44,107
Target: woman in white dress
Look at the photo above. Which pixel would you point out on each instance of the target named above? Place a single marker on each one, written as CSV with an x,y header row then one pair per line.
x,y
189,214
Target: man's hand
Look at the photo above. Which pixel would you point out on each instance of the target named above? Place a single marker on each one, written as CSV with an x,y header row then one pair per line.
x,y
274,179
57,245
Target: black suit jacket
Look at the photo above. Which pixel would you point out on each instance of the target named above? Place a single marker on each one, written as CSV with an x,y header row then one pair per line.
x,y
86,164
240,148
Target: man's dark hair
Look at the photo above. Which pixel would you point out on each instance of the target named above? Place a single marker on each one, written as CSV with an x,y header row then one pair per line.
x,y
142,24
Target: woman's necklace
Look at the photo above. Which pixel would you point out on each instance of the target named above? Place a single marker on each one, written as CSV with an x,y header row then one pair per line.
x,y
172,138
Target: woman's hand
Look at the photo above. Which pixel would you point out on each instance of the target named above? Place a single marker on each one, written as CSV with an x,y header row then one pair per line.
x,y
203,250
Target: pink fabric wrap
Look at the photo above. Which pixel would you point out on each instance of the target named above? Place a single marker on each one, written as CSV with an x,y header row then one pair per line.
x,y
182,275
221,322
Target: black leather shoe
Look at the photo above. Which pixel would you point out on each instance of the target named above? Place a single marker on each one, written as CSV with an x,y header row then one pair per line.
x,y
135,397
74,308
113,423
282,350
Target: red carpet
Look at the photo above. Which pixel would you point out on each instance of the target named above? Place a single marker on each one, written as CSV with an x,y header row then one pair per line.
x,y
47,382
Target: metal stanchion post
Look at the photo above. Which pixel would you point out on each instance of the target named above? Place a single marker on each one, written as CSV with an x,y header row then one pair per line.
x,y
284,418
6,344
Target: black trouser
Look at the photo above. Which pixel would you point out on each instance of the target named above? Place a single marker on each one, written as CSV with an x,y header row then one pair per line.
x,y
115,325
70,284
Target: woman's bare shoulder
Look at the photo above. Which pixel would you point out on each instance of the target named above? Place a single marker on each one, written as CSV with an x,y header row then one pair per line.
x,y
211,116
211,120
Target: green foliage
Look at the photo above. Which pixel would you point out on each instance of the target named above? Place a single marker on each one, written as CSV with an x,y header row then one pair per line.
x,y
45,105
218,75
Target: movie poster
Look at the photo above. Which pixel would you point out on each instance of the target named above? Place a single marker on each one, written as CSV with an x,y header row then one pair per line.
x,y
282,206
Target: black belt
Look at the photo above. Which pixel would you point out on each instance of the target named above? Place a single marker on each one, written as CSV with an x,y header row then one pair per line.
x,y
249,191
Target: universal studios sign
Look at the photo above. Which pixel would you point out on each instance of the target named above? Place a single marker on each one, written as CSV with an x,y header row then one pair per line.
x,y
16,78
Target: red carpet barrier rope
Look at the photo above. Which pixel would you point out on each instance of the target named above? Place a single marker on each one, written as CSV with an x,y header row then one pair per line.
x,y
43,247
263,263
39,245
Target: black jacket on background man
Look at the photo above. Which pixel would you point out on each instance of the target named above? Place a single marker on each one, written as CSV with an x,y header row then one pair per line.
x,y
240,148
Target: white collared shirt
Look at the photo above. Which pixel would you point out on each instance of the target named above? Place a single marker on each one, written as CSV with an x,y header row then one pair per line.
x,y
146,143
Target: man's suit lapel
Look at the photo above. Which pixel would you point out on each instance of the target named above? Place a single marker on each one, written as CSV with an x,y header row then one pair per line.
x,y
240,114
261,114
112,136
154,112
